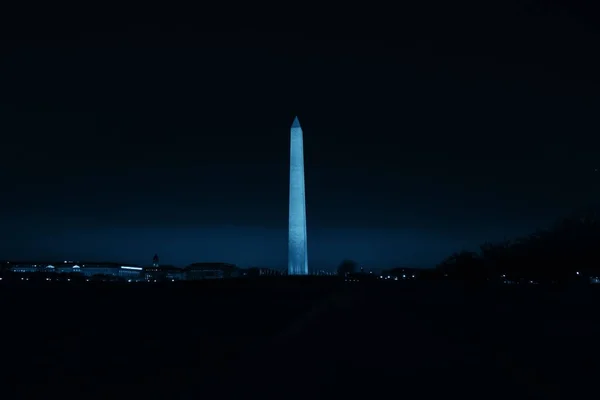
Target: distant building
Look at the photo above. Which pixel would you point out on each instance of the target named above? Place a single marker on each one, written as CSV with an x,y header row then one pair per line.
x,y
108,271
164,273
155,261
87,269
200,271
323,272
262,271
131,273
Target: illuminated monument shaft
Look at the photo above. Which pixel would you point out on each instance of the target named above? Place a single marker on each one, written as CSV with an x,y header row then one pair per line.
x,y
297,252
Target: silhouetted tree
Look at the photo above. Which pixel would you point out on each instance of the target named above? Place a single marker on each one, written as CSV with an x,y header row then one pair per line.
x,y
556,254
466,265
430,274
253,272
347,267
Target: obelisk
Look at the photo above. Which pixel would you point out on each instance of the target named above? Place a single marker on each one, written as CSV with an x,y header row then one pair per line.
x,y
297,251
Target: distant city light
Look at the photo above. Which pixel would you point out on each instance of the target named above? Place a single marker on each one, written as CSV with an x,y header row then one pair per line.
x,y
132,268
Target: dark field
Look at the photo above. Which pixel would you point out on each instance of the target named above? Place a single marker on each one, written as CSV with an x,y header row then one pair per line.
x,y
293,339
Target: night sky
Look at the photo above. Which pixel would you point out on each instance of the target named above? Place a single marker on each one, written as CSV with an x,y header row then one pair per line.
x,y
427,130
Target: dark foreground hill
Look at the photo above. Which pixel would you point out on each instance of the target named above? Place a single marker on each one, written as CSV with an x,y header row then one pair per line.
x,y
280,339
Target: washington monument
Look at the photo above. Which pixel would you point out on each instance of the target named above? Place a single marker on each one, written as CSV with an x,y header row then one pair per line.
x,y
297,252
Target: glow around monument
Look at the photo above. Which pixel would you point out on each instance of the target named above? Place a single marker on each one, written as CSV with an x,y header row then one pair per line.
x,y
297,249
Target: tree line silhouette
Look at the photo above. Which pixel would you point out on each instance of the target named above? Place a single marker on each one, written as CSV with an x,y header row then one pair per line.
x,y
568,250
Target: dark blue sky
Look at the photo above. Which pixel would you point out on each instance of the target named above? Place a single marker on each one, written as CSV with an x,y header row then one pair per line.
x,y
426,136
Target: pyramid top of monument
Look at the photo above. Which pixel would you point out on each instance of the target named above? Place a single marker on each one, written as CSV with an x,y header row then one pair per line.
x,y
296,123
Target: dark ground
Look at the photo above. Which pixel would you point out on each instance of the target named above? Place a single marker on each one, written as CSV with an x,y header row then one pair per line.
x,y
298,339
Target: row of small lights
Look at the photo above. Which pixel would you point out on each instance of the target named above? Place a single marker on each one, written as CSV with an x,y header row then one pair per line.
x,y
87,280
395,278
380,277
